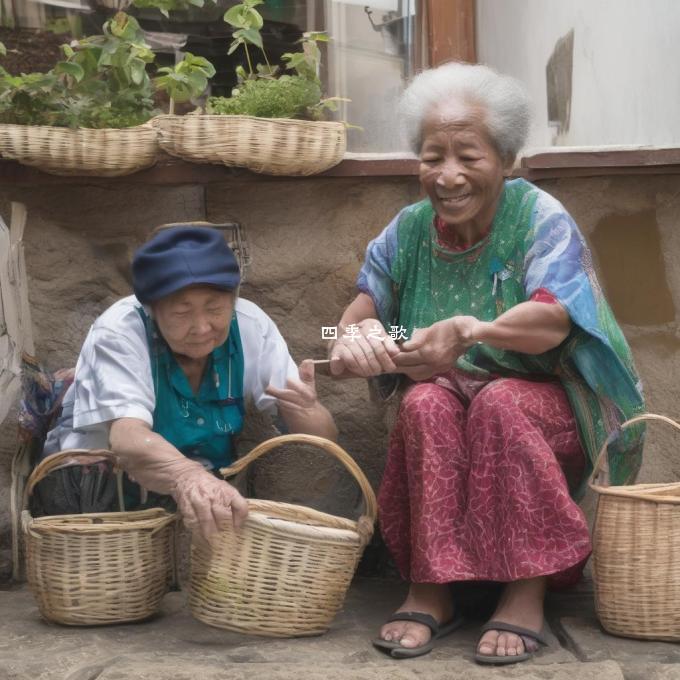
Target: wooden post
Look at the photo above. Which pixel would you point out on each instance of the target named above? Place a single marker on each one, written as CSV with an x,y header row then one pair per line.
x,y
450,30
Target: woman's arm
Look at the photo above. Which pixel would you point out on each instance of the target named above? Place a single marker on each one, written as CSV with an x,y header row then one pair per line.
x,y
529,327
157,465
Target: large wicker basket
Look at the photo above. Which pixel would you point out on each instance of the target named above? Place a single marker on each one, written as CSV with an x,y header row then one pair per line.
x,y
274,146
107,152
636,555
95,569
286,572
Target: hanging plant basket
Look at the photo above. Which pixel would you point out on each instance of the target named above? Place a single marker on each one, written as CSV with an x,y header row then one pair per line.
x,y
105,152
273,146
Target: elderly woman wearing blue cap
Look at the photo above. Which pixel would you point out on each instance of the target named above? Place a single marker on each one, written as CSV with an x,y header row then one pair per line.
x,y
163,375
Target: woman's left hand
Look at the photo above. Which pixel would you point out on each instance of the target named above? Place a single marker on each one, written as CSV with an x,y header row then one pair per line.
x,y
435,349
299,396
300,407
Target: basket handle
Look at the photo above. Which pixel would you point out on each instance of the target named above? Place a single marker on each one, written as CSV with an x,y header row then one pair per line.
x,y
55,460
319,442
601,456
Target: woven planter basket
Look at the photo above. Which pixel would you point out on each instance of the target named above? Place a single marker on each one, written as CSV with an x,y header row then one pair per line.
x,y
95,569
636,565
107,152
286,572
274,146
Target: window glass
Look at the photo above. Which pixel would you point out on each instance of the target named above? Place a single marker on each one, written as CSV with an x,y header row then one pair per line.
x,y
371,52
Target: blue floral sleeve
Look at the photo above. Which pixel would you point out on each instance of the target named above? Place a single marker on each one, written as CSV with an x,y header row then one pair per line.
x,y
375,278
560,262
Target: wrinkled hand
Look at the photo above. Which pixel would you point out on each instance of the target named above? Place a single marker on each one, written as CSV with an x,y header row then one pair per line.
x,y
364,349
205,502
298,398
435,349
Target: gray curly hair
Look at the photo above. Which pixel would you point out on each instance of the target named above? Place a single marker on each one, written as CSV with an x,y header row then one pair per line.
x,y
504,99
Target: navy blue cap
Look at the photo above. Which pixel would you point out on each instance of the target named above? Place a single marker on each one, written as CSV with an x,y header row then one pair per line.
x,y
183,256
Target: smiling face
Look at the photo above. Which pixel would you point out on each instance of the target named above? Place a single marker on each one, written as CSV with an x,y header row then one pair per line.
x,y
194,320
460,167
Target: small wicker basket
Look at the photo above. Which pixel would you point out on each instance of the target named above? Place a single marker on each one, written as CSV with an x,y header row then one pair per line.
x,y
286,572
274,146
636,538
96,568
105,152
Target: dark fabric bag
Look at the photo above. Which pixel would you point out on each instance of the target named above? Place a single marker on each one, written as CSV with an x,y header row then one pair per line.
x,y
91,487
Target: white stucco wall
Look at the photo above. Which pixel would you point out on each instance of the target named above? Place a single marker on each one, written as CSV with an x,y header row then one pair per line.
x,y
626,72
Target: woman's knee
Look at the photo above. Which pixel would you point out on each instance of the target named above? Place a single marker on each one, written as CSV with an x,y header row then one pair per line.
x,y
422,399
498,398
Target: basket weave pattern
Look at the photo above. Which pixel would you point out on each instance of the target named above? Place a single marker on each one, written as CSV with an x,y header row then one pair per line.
x,y
275,146
97,568
286,572
106,152
636,569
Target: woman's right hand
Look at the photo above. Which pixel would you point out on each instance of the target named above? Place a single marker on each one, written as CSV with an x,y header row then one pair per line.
x,y
364,349
205,502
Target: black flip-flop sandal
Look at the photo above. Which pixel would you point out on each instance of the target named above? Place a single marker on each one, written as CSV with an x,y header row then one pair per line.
x,y
526,634
397,651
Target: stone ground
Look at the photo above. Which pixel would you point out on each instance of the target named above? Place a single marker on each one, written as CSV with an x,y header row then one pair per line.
x,y
174,646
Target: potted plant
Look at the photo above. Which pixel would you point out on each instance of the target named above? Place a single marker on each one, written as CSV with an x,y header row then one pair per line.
x,y
88,114
273,121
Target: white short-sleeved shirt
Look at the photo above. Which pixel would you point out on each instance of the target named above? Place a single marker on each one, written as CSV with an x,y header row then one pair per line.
x,y
113,374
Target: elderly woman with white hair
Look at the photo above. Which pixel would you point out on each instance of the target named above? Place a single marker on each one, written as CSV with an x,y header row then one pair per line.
x,y
517,371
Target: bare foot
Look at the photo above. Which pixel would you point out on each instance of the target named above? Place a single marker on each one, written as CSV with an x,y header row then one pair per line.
x,y
522,605
428,598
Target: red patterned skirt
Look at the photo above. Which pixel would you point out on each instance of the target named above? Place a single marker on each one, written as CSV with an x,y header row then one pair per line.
x,y
476,485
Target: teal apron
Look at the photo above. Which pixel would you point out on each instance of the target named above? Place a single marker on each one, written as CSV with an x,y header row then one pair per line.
x,y
202,426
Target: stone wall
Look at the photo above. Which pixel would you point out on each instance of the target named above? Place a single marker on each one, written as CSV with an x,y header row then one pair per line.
x,y
307,238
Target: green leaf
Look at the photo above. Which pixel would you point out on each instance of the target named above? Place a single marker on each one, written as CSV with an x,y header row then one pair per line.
x,y
234,46
3,50
198,82
317,36
253,36
67,50
254,19
137,71
70,69
234,16
241,74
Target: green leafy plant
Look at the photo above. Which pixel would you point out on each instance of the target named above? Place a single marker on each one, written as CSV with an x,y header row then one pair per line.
x,y
186,80
263,89
283,97
167,6
247,21
102,82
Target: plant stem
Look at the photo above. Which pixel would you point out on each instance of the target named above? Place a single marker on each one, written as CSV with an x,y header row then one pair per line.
x,y
171,109
269,66
250,63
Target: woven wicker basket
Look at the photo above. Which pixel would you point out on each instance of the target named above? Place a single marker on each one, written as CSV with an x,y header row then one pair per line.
x,y
286,572
107,152
95,569
636,565
274,146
